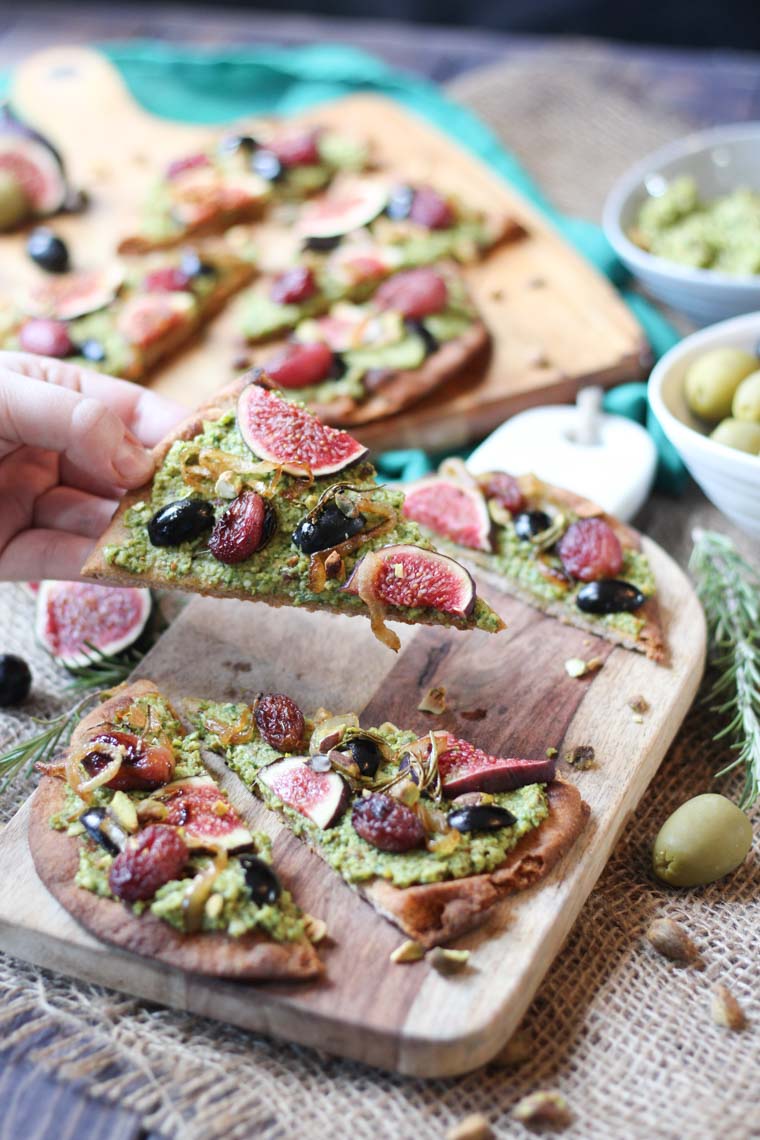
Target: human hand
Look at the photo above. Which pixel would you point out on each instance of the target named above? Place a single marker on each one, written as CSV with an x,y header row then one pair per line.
x,y
71,441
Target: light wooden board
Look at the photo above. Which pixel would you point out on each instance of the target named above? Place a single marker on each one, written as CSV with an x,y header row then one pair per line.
x,y
400,1017
556,322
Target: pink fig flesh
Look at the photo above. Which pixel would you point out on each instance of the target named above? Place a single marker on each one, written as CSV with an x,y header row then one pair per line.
x,y
465,768
409,576
320,796
450,509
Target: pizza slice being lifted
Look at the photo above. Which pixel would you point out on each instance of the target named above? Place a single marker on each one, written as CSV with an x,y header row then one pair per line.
x,y
431,830
360,362
548,547
127,318
254,498
139,843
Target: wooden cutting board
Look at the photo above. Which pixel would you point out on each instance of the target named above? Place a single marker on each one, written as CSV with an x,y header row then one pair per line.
x,y
404,1017
556,323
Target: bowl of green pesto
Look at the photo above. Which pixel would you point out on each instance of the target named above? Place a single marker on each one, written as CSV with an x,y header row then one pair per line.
x,y
686,222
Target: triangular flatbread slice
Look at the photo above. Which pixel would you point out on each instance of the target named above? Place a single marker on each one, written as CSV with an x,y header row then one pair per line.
x,y
549,547
360,362
137,841
432,831
254,498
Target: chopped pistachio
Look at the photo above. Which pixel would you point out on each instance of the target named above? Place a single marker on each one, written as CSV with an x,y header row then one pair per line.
x,y
546,1106
124,811
581,757
407,792
445,844
726,1010
671,940
519,1049
213,907
577,667
638,704
551,753
316,928
408,951
434,701
448,961
473,1127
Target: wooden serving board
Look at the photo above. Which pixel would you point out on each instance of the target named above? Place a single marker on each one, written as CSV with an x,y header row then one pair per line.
x,y
556,323
404,1017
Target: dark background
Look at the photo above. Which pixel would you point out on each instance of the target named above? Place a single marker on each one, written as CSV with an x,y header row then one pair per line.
x,y
687,23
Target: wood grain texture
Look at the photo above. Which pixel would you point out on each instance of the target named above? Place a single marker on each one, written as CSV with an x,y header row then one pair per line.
x,y
366,1008
556,322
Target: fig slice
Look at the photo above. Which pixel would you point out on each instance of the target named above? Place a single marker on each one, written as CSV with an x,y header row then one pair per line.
x,y
408,576
288,435
465,768
355,204
320,796
207,818
450,508
33,162
78,621
73,294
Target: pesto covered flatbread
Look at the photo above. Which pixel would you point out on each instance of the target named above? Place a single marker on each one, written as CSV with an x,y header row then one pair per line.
x,y
137,841
254,498
432,831
549,547
126,319
359,362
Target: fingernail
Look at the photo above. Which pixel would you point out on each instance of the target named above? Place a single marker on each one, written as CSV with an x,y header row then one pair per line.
x,y
132,463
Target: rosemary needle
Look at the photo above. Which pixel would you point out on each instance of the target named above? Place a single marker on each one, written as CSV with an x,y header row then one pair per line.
x,y
729,589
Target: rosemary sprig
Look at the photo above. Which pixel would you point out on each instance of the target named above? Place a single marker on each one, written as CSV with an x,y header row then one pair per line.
x,y
104,671
729,589
55,733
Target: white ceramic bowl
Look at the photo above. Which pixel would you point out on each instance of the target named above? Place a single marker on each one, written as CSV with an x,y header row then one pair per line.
x,y
729,478
720,160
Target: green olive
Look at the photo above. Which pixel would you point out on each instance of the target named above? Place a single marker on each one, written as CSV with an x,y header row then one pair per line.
x,y
14,206
703,840
739,434
712,379
746,405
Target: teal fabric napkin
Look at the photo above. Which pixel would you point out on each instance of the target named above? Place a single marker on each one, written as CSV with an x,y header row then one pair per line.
x,y
217,86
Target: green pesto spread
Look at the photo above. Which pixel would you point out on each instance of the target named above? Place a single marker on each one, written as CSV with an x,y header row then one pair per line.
x,y
721,233
237,913
349,854
278,570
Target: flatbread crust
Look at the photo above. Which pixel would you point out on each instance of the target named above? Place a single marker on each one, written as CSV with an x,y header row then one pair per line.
x,y
56,859
438,912
402,389
221,221
117,533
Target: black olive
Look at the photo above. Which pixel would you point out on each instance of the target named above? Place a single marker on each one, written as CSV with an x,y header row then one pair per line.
x,y
609,596
418,329
267,165
321,244
480,817
48,250
400,203
530,523
180,521
329,528
103,830
92,350
338,366
15,679
230,144
260,879
193,266
365,754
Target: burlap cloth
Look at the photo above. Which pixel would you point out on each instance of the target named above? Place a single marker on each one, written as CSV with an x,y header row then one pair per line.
x,y
623,1033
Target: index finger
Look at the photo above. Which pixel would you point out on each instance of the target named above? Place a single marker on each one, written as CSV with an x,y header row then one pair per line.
x,y
146,414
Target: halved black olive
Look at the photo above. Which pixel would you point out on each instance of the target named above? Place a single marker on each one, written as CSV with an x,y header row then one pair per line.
x,y
230,144
481,817
180,521
192,264
338,366
321,244
92,350
418,328
267,165
260,879
609,596
48,250
400,203
327,529
365,754
530,523
15,679
103,829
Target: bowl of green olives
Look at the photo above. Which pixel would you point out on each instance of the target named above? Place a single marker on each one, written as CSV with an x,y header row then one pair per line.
x,y
705,393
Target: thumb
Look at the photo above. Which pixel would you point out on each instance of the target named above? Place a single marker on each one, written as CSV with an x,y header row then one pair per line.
x,y
86,431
